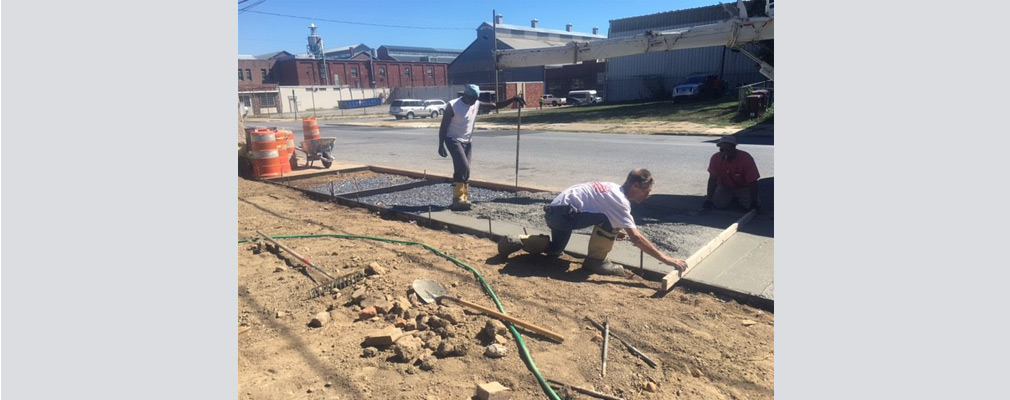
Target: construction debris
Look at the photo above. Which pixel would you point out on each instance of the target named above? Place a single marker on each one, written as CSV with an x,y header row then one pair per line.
x,y
496,351
493,391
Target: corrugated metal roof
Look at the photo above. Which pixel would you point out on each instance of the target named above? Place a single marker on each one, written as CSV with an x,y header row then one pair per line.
x,y
674,19
421,49
268,56
242,57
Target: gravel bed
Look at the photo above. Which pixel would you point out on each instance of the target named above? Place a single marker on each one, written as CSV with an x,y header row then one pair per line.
x,y
678,233
343,185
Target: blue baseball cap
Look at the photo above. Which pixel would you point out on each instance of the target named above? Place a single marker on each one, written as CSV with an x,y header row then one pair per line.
x,y
471,91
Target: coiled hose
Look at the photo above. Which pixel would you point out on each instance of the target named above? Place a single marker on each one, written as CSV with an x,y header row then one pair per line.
x,y
523,351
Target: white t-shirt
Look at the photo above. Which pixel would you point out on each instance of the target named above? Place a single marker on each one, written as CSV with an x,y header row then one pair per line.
x,y
463,118
605,198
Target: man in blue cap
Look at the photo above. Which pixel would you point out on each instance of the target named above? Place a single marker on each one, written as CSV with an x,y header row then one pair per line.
x,y
454,134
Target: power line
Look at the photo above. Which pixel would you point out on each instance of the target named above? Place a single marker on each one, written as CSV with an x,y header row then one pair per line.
x,y
358,23
249,6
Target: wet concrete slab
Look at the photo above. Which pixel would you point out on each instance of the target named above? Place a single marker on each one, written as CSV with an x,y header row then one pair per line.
x,y
744,263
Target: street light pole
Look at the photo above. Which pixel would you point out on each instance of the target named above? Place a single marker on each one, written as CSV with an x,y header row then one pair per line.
x,y
313,101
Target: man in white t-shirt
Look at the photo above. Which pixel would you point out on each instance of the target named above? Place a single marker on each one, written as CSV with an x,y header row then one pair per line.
x,y
454,133
606,205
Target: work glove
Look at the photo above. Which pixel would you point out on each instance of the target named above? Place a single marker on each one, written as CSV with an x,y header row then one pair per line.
x,y
441,151
517,99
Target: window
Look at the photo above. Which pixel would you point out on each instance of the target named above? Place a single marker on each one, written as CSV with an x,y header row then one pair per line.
x,y
240,74
354,72
264,73
431,71
248,75
407,71
382,72
266,99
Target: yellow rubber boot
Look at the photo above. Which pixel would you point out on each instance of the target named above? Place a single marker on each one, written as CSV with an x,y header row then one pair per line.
x,y
458,194
600,244
466,196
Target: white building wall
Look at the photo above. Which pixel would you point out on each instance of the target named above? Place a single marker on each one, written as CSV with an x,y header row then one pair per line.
x,y
325,98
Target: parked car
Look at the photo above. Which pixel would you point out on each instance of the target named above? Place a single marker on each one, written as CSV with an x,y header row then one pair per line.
x,y
583,97
434,108
699,87
407,108
550,100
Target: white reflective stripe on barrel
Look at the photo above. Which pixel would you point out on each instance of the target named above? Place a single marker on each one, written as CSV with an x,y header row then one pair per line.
x,y
262,138
265,154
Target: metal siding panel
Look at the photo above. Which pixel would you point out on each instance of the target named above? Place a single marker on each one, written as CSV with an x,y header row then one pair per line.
x,y
630,78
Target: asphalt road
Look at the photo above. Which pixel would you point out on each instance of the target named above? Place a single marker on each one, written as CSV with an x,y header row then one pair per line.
x,y
549,160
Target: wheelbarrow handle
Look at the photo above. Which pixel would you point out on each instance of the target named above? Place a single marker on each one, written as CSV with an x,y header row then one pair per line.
x,y
501,316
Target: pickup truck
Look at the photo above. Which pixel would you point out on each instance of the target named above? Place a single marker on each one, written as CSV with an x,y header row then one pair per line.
x,y
550,100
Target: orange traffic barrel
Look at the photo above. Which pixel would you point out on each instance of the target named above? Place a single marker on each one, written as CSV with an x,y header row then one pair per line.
x,y
266,155
291,147
310,130
282,150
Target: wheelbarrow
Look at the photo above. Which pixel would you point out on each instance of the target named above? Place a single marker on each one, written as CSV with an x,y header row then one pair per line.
x,y
318,149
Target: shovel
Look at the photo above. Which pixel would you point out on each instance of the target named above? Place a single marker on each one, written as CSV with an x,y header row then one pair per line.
x,y
430,291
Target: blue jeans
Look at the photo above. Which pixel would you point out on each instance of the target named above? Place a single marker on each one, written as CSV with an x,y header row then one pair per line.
x,y
564,219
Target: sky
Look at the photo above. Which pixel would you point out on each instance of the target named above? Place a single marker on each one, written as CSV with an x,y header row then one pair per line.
x,y
267,26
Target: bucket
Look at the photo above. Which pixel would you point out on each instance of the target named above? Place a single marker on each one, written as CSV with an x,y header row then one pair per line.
x,y
310,130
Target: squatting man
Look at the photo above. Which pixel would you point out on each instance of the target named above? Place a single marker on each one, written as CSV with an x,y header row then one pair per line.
x,y
606,206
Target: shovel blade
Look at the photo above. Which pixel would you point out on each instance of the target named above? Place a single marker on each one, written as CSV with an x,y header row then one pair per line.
x,y
428,290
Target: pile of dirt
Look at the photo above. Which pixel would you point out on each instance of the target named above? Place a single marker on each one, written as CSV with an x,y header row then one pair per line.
x,y
338,345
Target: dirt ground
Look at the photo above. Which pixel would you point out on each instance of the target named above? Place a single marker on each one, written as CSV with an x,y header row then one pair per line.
x,y
706,348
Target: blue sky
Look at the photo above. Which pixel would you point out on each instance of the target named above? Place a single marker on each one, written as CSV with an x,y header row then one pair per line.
x,y
417,23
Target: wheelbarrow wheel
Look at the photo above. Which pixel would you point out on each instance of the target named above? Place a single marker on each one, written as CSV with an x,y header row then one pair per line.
x,y
327,164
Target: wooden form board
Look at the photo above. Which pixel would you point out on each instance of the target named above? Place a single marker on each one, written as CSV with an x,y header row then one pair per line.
x,y
670,279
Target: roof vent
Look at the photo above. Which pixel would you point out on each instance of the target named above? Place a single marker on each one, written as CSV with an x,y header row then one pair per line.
x,y
596,31
568,27
498,18
534,23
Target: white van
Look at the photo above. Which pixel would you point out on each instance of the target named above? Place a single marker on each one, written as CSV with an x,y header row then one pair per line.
x,y
583,97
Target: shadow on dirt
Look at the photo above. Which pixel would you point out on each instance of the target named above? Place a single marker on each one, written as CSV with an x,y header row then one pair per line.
x,y
528,265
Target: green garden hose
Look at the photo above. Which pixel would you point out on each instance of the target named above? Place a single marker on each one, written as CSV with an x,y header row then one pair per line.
x,y
523,351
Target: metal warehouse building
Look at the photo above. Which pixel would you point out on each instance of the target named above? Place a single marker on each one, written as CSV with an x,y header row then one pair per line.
x,y
476,63
652,76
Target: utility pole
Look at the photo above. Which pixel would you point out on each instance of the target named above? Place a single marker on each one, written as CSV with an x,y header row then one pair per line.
x,y
494,37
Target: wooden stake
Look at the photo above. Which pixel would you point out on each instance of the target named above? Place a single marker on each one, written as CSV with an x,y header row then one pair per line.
x,y
606,336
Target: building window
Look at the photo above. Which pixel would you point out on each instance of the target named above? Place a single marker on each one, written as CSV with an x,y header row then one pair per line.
x,y
431,72
264,73
382,72
248,75
240,74
266,99
354,72
407,71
